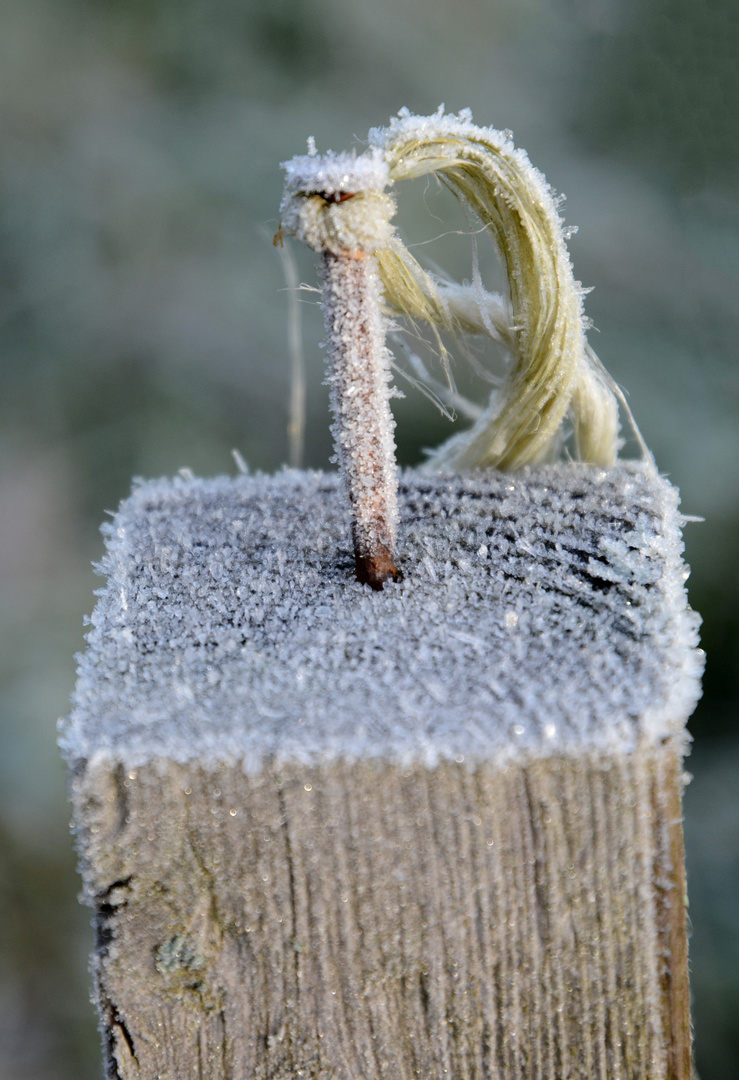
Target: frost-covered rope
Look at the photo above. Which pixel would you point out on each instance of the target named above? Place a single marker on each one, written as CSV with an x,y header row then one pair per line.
x,y
337,204
552,375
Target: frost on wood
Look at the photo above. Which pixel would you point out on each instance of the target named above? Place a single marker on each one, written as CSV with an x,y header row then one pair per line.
x,y
537,612
434,831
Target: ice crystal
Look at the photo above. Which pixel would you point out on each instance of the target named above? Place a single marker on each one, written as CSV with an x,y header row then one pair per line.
x,y
538,613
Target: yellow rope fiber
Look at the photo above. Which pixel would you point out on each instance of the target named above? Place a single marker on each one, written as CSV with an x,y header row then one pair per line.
x,y
554,373
338,203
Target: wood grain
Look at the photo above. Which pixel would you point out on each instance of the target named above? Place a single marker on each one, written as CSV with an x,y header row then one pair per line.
x,y
368,920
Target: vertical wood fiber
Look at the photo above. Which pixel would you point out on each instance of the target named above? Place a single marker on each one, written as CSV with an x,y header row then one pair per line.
x,y
364,920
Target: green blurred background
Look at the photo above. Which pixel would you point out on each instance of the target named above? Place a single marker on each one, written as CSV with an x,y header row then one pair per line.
x,y
143,326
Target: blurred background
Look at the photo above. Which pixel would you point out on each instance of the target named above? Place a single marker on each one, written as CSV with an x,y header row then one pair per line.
x,y
143,328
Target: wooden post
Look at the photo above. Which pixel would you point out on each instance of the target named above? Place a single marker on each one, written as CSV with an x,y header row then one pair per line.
x,y
432,831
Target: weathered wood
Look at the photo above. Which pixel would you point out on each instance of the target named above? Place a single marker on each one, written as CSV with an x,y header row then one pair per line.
x,y
372,920
287,906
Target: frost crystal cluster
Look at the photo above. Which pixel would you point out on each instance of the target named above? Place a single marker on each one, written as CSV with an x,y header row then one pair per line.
x,y
337,204
538,613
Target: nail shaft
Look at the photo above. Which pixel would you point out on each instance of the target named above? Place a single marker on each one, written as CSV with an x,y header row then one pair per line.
x,y
359,378
338,206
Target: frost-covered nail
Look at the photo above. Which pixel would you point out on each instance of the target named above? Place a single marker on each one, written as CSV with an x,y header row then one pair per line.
x,y
336,204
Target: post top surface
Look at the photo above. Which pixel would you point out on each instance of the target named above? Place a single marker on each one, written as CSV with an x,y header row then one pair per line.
x,y
540,612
